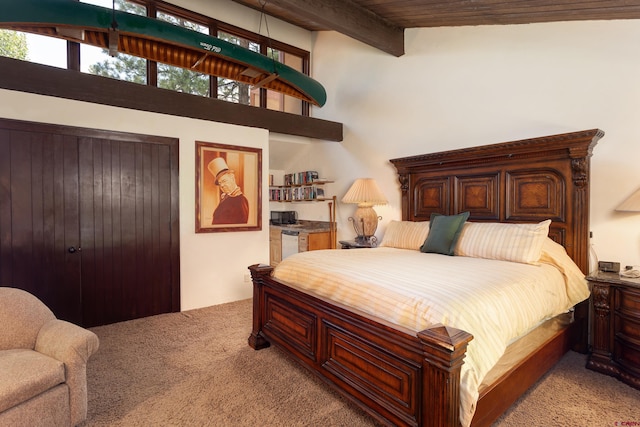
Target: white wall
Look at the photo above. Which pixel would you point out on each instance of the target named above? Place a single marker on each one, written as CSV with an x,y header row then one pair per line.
x,y
212,265
468,86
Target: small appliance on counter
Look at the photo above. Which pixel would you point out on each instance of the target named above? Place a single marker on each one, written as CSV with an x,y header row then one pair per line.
x,y
283,217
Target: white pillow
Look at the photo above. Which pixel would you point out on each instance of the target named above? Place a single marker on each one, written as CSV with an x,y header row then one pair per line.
x,y
405,234
503,241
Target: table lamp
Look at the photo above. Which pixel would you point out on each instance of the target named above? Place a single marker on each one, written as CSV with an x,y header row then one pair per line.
x,y
631,204
365,193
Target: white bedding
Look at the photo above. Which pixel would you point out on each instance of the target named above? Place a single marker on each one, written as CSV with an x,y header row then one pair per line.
x,y
495,301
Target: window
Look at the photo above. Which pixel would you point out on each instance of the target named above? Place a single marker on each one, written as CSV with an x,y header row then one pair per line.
x,y
234,91
34,48
280,102
93,60
295,58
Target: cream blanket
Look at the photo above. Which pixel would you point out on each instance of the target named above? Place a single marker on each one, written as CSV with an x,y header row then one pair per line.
x,y
495,301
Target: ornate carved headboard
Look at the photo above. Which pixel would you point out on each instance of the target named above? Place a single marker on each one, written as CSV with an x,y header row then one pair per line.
x,y
519,181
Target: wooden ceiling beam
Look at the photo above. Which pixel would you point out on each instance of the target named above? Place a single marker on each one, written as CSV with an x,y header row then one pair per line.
x,y
348,18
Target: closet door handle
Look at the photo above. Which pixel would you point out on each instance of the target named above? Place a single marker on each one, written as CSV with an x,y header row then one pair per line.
x,y
72,250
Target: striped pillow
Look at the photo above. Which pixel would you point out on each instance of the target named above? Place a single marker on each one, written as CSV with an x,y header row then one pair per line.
x,y
503,241
405,234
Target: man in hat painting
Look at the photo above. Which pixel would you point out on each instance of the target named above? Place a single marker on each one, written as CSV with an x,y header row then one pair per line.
x,y
234,206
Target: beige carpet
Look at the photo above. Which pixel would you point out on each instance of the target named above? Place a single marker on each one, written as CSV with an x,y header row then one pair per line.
x,y
196,369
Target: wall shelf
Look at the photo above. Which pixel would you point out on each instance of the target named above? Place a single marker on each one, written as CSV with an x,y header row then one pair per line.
x,y
309,192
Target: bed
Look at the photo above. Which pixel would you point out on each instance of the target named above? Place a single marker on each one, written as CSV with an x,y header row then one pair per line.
x,y
403,376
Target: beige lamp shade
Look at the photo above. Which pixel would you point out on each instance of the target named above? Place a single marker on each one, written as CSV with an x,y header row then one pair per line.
x,y
631,204
365,193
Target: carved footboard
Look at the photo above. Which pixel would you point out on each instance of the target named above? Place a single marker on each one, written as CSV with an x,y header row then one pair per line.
x,y
397,376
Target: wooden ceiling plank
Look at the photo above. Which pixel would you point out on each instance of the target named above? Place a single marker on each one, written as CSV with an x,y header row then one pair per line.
x,y
500,6
533,13
528,18
430,13
452,5
412,14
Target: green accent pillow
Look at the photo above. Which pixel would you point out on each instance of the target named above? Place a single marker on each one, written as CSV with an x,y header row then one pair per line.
x,y
444,231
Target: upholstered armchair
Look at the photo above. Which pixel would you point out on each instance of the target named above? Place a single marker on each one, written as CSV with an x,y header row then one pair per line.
x,y
43,377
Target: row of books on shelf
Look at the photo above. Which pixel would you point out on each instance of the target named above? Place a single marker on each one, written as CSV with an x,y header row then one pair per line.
x,y
296,193
300,178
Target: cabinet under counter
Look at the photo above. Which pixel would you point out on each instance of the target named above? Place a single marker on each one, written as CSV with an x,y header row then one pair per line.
x,y
314,241
275,245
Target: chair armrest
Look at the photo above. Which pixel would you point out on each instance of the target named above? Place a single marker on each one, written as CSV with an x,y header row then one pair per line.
x,y
66,342
73,346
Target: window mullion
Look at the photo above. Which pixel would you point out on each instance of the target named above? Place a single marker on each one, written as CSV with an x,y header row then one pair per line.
x,y
73,56
152,66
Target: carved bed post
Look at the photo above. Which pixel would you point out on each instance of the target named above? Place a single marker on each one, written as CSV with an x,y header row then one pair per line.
x,y
403,177
444,350
580,173
580,155
258,273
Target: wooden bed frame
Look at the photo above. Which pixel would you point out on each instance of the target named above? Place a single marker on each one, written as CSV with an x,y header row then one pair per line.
x,y
406,378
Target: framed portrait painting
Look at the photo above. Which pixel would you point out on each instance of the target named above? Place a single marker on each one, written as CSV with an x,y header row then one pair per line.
x,y
228,188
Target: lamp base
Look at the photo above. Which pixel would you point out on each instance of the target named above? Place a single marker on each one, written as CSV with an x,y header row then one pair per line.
x,y
365,222
371,241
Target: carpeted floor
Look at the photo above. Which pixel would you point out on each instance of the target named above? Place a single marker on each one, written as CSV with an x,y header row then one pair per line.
x,y
196,369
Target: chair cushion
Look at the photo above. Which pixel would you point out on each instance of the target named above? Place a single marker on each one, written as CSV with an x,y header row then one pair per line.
x,y
25,374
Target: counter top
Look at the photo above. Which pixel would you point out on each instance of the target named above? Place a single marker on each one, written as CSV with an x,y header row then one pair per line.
x,y
306,226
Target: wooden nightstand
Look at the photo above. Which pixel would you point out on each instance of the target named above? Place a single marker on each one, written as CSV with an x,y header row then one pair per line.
x,y
616,327
356,244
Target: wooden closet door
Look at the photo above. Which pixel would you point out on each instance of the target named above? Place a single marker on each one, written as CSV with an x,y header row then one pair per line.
x,y
89,221
126,219
39,218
